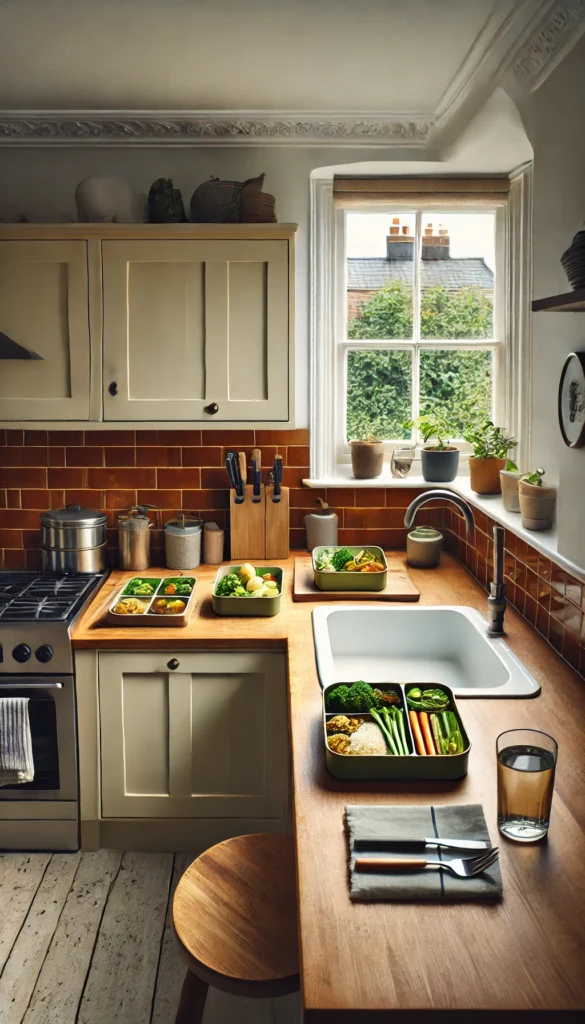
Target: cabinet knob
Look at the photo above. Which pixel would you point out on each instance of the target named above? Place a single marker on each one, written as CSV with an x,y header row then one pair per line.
x,y
173,663
113,388
212,408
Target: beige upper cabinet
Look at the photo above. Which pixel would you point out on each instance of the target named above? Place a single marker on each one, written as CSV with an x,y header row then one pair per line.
x,y
207,738
44,330
196,330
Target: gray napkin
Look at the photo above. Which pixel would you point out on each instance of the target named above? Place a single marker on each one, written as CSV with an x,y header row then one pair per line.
x,y
451,821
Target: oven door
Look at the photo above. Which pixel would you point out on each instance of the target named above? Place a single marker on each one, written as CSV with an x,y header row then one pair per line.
x,y
51,711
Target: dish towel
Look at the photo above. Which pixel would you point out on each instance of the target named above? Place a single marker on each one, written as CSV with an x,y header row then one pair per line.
x,y
450,821
16,756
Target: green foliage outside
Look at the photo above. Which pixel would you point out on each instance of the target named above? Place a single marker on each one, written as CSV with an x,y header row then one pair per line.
x,y
456,385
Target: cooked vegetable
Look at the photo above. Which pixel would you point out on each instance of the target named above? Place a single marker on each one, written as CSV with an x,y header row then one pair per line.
x,y
130,606
448,728
418,737
426,731
427,700
166,607
230,586
254,583
247,571
343,724
387,732
440,743
337,699
247,583
136,587
357,697
386,697
341,560
338,743
178,587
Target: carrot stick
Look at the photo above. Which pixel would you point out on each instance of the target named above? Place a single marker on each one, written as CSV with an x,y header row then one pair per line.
x,y
426,731
418,739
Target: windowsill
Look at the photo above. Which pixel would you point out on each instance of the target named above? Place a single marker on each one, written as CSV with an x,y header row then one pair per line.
x,y
544,541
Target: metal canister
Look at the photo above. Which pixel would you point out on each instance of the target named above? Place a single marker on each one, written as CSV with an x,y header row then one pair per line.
x,y
134,538
321,528
183,542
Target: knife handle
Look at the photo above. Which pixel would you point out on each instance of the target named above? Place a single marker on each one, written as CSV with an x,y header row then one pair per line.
x,y
412,845
243,467
390,863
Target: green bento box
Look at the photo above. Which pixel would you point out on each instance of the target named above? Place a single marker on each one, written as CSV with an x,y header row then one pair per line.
x,y
343,580
385,767
250,606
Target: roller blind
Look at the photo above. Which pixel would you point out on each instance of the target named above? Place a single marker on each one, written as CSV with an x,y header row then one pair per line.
x,y
419,191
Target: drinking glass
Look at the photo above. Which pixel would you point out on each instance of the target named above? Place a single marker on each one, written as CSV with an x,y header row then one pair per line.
x,y
401,460
526,776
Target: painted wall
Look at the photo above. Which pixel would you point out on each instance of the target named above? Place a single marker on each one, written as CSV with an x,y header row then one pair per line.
x,y
557,124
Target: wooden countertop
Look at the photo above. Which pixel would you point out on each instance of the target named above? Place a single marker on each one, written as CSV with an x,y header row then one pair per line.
x,y
360,961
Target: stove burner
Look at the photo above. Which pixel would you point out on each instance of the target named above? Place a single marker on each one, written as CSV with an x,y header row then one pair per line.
x,y
46,597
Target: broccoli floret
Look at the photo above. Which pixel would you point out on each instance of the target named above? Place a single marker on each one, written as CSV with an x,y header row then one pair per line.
x,y
336,700
340,558
361,697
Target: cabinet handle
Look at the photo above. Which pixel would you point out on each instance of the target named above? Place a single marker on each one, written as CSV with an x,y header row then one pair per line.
x,y
173,663
212,408
113,388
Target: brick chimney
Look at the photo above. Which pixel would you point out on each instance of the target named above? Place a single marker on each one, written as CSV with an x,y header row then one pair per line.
x,y
399,243
435,243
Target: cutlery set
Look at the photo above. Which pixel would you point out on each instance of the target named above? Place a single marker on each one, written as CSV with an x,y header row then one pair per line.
x,y
259,514
464,867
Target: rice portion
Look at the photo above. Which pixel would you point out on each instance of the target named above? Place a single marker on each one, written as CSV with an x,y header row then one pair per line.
x,y
368,739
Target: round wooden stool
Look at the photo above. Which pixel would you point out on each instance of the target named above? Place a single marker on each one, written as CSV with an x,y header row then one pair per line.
x,y
235,919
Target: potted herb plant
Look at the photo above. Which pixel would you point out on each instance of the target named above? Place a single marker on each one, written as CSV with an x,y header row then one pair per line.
x,y
537,502
490,455
367,454
440,461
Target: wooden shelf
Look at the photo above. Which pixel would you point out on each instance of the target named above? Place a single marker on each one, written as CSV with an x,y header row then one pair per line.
x,y
570,302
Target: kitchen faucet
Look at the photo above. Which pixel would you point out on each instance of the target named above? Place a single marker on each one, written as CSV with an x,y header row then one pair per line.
x,y
497,594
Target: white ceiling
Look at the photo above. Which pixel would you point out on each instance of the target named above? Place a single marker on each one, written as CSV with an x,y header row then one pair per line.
x,y
309,55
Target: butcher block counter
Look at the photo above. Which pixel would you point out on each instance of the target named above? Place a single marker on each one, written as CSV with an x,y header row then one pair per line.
x,y
409,961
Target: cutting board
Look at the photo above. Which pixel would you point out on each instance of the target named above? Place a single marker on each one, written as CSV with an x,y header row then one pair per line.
x,y
399,587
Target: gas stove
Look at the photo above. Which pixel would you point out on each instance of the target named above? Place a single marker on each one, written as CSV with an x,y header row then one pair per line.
x,y
36,611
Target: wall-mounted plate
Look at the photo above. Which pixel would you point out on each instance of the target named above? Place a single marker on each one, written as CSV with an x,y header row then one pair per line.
x,y
572,400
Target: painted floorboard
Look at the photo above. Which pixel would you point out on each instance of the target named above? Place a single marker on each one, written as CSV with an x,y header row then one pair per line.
x,y
61,982
23,966
121,980
171,969
20,877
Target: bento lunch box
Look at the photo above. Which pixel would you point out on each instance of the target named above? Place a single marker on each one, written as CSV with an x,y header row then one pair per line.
x,y
149,617
383,767
343,580
250,606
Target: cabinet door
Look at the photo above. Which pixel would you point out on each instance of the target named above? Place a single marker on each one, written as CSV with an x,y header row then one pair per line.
x,y
44,331
189,323
206,740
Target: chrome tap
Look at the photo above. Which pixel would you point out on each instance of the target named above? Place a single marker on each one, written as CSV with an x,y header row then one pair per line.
x,y
497,594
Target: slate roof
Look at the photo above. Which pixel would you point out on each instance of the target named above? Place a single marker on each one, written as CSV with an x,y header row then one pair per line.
x,y
373,272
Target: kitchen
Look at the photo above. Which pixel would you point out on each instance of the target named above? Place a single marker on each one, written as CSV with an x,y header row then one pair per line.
x,y
158,347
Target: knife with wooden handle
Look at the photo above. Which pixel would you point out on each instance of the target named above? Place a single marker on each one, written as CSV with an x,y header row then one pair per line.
x,y
243,469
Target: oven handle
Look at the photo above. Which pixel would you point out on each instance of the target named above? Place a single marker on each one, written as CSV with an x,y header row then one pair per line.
x,y
31,686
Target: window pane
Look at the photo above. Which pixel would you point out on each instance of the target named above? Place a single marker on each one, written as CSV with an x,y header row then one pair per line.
x,y
379,394
379,263
457,275
456,385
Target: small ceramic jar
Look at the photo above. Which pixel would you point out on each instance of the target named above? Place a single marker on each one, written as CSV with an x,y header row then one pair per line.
x,y
423,547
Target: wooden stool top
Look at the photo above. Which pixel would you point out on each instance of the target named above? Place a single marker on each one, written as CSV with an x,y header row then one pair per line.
x,y
234,910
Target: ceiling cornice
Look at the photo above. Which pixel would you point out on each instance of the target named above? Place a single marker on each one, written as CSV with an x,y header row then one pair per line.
x,y
211,128
555,35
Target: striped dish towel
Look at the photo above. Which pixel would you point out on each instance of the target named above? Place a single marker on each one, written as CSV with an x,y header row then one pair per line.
x,y
16,757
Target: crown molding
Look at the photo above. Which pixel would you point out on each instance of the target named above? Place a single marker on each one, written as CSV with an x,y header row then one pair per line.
x,y
555,35
211,128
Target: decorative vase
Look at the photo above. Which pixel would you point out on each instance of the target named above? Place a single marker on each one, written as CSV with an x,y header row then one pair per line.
x,y
367,459
537,505
573,261
104,201
439,464
484,474
509,479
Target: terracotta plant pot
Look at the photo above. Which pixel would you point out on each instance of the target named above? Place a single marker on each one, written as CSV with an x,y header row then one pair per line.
x,y
509,480
367,459
439,464
484,474
537,505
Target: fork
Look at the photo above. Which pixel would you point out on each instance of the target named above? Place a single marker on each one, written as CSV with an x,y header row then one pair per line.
x,y
465,867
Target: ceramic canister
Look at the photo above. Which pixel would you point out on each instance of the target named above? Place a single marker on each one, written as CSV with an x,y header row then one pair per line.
x,y
321,529
423,547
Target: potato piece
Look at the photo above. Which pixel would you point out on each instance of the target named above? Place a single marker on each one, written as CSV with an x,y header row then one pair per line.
x,y
247,572
254,584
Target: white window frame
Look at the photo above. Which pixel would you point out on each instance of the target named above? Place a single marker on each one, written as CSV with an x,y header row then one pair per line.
x,y
329,346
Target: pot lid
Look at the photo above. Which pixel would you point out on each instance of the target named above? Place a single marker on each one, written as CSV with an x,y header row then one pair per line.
x,y
425,533
184,525
73,515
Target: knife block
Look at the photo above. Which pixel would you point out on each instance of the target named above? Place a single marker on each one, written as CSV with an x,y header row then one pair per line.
x,y
247,526
277,524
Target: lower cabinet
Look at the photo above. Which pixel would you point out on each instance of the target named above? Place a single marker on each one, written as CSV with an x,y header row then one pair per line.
x,y
193,735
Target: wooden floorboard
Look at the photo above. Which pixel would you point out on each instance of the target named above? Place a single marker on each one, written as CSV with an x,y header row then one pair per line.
x,y
20,876
60,985
171,969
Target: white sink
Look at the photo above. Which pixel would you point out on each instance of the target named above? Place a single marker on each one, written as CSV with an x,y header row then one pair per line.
x,y
446,644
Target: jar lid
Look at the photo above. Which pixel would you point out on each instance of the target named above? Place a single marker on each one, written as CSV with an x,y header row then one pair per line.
x,y
73,515
425,533
183,526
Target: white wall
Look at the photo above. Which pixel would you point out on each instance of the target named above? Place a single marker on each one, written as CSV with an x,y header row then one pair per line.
x,y
558,126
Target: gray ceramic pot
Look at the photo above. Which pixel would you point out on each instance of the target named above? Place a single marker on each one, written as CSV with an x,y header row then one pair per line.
x,y
438,465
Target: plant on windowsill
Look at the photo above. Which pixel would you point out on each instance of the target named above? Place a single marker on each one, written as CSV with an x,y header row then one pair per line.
x,y
367,453
490,456
439,461
537,503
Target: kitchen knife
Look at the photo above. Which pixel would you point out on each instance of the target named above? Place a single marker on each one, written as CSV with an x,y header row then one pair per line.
x,y
277,474
419,844
243,471
257,477
231,464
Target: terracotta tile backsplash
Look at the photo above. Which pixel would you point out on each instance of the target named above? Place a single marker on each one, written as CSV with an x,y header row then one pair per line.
x,y
183,469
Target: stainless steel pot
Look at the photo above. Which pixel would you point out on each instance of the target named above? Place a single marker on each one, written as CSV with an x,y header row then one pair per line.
x,y
73,539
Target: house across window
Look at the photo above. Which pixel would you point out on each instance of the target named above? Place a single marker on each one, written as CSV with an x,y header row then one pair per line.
x,y
418,328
